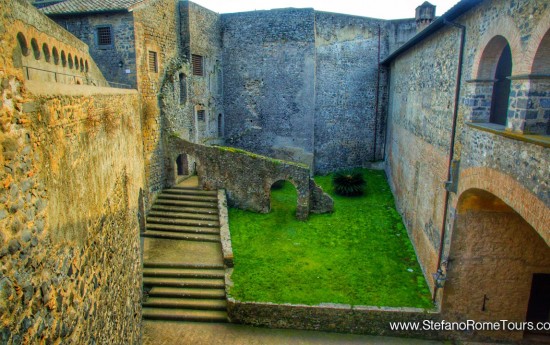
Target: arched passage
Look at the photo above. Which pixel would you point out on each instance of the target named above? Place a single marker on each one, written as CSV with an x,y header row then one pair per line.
x,y
494,256
283,197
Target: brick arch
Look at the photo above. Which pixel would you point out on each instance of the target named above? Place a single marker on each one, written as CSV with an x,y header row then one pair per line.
x,y
524,202
538,48
490,46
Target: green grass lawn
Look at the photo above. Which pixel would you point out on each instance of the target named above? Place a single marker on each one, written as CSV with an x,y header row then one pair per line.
x,y
358,255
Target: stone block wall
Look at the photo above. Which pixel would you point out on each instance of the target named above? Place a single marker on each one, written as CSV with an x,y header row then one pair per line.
x,y
248,177
269,69
514,168
84,27
347,90
47,52
72,171
155,28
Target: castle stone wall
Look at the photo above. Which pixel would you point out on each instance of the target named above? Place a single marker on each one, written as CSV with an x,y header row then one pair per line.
x,y
269,68
347,90
419,133
155,28
69,206
108,59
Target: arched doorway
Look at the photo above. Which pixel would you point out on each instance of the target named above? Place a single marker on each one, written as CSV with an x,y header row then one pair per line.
x,y
283,198
498,263
501,89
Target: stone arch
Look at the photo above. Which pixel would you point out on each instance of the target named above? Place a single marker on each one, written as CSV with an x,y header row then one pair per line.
x,y
538,49
23,45
488,47
35,49
302,195
46,52
278,185
494,256
521,200
541,62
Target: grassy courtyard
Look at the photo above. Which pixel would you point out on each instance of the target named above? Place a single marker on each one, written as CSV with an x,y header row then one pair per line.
x,y
358,255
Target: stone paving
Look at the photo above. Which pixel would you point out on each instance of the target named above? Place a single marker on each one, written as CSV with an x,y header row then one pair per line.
x,y
193,333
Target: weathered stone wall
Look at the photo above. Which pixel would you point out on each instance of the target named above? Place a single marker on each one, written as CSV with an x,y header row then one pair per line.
x,y
495,253
123,49
155,29
399,32
248,177
71,179
347,88
330,318
200,34
420,120
269,68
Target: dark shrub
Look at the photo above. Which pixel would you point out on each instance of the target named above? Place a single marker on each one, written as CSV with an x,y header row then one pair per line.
x,y
348,183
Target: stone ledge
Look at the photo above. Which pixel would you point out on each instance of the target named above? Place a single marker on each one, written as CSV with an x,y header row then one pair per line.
x,y
227,249
542,140
330,317
41,88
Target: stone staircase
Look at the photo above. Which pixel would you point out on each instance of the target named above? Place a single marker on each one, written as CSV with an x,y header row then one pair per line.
x,y
183,273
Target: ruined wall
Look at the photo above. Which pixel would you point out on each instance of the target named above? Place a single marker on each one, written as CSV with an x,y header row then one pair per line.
x,y
155,28
269,67
71,179
347,90
108,58
420,115
248,177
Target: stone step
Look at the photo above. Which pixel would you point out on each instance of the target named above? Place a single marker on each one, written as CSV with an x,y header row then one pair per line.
x,y
182,215
201,237
185,303
188,197
180,265
182,229
176,272
191,222
175,292
184,315
183,209
214,283
190,191
187,203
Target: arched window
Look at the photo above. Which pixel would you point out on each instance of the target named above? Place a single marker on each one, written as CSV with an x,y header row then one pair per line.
x,y
70,60
46,52
55,54
23,44
63,59
501,88
35,49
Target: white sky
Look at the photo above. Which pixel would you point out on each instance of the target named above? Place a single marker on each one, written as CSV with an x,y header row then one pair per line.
x,y
384,9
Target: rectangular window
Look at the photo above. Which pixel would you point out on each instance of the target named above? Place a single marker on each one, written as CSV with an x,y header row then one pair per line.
x,y
198,65
200,115
153,63
104,36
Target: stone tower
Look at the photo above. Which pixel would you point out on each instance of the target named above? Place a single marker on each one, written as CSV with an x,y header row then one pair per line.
x,y
425,14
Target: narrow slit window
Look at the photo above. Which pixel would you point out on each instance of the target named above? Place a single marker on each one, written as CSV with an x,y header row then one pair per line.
x,y
201,115
183,88
198,65
153,62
